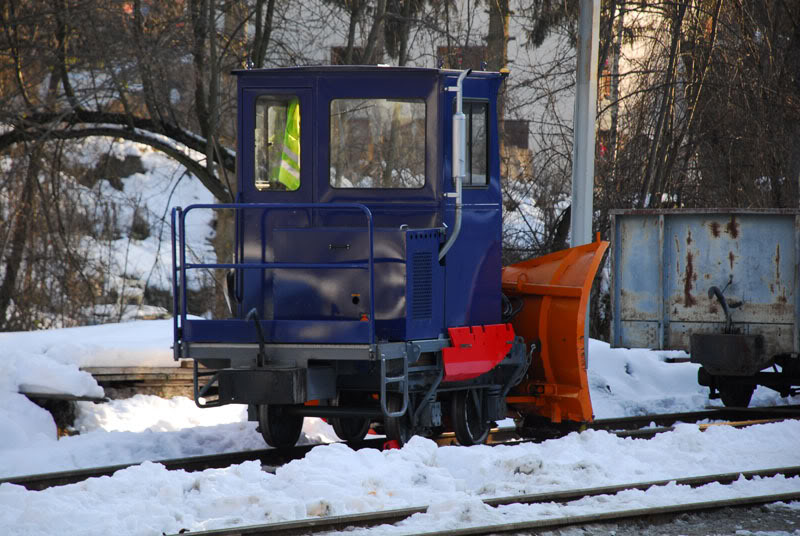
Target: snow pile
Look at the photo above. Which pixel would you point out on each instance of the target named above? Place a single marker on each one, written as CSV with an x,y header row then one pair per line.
x,y
637,381
335,480
23,422
48,362
141,428
145,343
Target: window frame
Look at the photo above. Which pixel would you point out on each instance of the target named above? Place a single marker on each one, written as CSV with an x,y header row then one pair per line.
x,y
420,100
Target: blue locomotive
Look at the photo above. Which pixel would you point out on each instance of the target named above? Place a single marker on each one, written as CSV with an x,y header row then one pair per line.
x,y
366,281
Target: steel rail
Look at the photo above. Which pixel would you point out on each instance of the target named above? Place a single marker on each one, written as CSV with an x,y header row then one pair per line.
x,y
498,436
267,457
588,519
667,419
365,520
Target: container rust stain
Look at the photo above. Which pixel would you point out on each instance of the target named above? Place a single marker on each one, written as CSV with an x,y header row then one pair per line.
x,y
781,288
732,227
714,225
688,299
689,276
731,258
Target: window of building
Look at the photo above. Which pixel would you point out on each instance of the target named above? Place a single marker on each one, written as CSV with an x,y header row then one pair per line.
x,y
277,143
477,157
377,143
338,55
515,132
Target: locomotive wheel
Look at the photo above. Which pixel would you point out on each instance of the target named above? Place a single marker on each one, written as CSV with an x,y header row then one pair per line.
x,y
397,428
351,429
278,429
734,394
468,426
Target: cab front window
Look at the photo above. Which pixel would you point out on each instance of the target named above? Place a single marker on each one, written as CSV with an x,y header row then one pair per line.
x,y
377,143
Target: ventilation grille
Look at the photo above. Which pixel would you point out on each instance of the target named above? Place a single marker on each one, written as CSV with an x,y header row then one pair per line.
x,y
422,293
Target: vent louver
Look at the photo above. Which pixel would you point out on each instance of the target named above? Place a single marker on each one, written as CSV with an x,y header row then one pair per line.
x,y
422,293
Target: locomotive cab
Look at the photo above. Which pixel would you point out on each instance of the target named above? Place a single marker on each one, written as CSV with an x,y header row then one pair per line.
x,y
366,280
349,139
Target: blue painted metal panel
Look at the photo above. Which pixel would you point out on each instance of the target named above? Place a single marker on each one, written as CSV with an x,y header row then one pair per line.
x,y
315,294
665,262
284,331
473,265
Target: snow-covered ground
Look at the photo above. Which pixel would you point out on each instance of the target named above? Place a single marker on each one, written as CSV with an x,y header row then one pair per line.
x,y
333,479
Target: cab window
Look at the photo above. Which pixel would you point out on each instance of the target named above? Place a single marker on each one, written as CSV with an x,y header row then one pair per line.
x,y
377,143
277,143
477,157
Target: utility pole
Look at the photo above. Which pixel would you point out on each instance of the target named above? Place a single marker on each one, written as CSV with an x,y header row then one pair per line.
x,y
584,123
583,135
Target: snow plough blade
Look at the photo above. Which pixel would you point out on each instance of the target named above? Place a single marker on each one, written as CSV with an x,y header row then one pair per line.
x,y
554,290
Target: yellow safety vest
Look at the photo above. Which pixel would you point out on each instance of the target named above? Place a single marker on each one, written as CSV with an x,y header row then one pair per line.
x,y
288,172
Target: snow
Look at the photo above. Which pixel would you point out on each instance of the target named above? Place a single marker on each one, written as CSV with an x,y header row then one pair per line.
x,y
335,480
144,343
120,431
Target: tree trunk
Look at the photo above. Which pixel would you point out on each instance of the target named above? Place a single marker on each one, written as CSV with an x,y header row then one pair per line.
x,y
263,32
22,221
497,55
652,162
373,51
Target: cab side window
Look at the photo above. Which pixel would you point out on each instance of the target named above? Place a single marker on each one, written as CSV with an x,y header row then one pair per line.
x,y
477,157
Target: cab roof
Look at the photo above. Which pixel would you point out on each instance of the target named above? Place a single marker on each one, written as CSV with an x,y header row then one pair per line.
x,y
362,69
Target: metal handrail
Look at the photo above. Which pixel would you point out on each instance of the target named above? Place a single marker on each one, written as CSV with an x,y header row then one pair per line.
x,y
386,380
179,270
176,290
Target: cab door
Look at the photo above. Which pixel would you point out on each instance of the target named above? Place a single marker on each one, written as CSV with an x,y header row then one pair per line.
x,y
275,166
473,265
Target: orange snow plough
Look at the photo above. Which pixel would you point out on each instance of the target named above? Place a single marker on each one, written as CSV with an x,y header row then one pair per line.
x,y
555,293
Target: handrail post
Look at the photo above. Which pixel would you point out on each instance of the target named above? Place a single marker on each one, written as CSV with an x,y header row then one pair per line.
x,y
182,238
176,350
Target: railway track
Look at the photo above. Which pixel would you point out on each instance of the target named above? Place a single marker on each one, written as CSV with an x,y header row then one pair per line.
x,y
268,458
638,426
372,519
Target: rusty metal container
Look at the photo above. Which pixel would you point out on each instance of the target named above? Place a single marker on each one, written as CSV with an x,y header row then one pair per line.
x,y
665,263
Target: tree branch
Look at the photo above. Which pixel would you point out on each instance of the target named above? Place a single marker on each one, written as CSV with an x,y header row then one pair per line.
x,y
213,183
